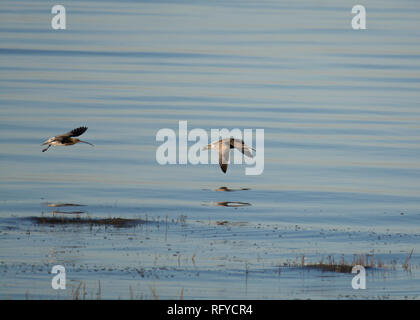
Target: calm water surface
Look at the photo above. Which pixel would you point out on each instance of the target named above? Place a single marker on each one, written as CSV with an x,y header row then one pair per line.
x,y
341,115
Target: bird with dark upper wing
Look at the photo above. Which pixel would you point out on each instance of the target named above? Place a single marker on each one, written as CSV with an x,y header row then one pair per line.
x,y
223,146
66,139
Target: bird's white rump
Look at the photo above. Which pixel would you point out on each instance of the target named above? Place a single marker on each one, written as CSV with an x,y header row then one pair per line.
x,y
175,149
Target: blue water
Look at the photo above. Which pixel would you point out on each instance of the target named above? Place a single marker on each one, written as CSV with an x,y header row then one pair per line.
x,y
339,108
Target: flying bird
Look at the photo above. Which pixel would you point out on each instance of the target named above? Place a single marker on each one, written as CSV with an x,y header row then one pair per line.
x,y
223,146
66,139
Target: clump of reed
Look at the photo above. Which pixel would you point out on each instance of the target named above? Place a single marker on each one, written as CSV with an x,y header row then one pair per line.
x,y
330,264
115,222
406,264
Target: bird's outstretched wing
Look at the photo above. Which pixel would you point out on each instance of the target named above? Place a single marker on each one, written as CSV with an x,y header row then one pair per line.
x,y
64,138
224,149
75,132
241,146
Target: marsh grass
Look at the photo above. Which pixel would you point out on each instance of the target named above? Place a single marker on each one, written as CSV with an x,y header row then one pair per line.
x,y
79,292
330,264
76,293
115,222
153,291
131,293
406,264
98,295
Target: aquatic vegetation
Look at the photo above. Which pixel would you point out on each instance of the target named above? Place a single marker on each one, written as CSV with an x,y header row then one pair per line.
x,y
331,265
116,222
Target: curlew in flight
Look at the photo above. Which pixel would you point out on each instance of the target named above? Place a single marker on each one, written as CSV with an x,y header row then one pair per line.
x,y
66,139
223,146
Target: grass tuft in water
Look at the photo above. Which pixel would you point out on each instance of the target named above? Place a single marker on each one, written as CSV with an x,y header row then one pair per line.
x,y
116,222
341,266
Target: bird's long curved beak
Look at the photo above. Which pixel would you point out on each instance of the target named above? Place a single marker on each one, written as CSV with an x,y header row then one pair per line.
x,y
86,142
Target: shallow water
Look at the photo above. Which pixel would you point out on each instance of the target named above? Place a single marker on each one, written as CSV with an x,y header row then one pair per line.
x,y
340,111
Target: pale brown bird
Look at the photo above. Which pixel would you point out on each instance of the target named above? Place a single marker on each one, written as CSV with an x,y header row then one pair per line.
x,y
66,139
223,146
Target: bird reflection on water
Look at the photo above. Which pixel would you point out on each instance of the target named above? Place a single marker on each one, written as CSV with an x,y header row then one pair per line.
x,y
226,189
